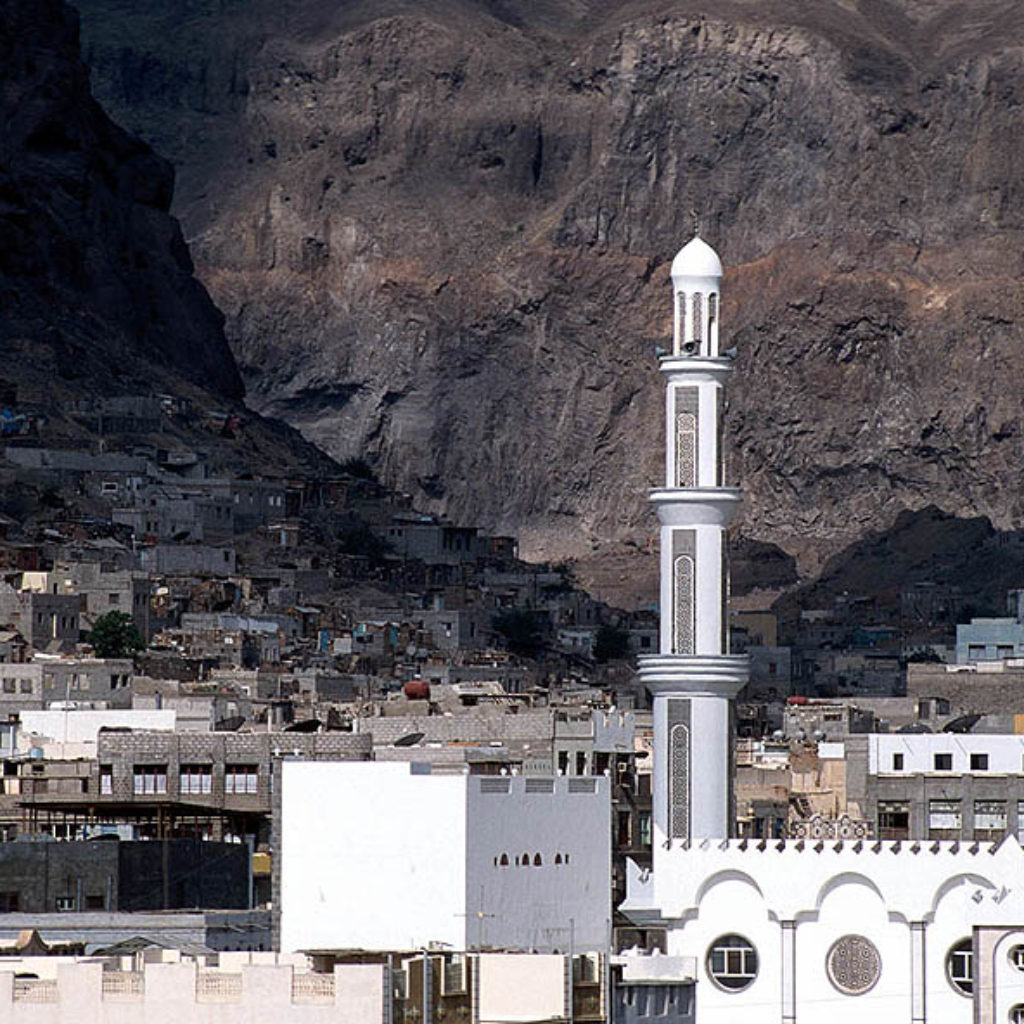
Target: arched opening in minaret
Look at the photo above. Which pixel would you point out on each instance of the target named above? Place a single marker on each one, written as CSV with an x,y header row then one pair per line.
x,y
713,324
697,321
680,321
683,602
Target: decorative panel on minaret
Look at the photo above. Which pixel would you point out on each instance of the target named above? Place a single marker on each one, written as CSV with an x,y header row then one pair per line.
x,y
686,437
683,591
678,769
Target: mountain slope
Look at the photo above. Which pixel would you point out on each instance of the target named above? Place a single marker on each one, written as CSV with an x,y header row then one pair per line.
x,y
440,233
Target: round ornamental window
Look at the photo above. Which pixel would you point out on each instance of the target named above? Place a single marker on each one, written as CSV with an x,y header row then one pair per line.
x,y
732,962
960,967
1016,957
1016,1014
854,965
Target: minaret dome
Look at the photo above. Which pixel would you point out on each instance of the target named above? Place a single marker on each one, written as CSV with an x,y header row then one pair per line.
x,y
696,283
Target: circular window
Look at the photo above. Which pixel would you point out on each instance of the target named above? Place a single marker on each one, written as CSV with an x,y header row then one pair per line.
x,y
732,962
1016,957
853,965
1016,1014
960,967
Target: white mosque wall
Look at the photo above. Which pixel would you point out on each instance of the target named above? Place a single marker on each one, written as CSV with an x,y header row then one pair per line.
x,y
912,901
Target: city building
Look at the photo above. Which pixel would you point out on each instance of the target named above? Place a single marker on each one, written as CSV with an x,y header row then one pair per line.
x,y
401,858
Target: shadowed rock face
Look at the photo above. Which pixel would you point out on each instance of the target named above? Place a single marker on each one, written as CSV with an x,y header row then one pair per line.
x,y
96,283
440,232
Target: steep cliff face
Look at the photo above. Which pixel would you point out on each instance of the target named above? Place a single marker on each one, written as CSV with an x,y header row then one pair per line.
x,y
440,233
96,283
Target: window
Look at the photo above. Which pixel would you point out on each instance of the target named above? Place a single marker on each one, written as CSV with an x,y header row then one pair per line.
x,y
893,819
960,967
241,779
944,819
65,903
453,975
976,652
196,779
1016,1014
10,902
979,762
537,861
26,686
563,762
95,901
897,762
106,779
150,779
9,684
1004,651
1016,957
504,860
643,823
581,762
943,762
732,963
989,819
113,599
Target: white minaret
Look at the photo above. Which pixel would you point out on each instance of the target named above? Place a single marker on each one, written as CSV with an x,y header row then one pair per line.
x,y
693,678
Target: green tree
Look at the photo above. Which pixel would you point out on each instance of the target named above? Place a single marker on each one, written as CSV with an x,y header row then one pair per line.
x,y
114,636
610,643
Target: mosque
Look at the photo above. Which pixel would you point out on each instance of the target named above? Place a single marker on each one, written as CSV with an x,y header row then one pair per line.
x,y
785,930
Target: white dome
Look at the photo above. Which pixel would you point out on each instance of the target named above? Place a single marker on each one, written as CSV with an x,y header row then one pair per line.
x,y
696,259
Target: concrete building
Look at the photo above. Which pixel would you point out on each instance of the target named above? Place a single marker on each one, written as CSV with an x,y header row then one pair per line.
x,y
989,640
159,986
967,787
45,620
471,861
109,875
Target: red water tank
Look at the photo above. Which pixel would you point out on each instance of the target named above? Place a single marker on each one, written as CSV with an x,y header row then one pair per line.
x,y
417,689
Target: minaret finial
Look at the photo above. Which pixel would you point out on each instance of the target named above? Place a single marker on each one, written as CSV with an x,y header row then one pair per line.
x,y
696,220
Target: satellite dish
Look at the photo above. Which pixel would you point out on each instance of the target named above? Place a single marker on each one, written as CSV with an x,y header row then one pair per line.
x,y
410,740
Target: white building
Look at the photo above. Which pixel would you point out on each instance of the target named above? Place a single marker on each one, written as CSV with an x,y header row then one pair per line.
x,y
387,856
795,930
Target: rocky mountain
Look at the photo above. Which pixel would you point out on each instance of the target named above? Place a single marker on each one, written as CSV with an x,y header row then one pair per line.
x,y
440,234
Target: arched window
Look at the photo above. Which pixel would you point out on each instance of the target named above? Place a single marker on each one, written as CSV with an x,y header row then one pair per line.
x,y
558,858
960,967
697,320
1016,957
517,862
526,860
681,318
537,862
504,860
1016,1014
732,963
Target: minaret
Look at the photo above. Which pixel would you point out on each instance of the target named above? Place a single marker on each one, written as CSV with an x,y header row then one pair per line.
x,y
693,678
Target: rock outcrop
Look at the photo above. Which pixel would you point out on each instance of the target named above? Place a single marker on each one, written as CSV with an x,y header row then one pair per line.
x,y
97,290
440,233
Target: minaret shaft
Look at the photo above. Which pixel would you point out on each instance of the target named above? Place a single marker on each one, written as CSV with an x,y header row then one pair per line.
x,y
693,678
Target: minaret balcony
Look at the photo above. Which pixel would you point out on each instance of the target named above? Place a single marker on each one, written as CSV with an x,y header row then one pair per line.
x,y
720,675
700,367
695,506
